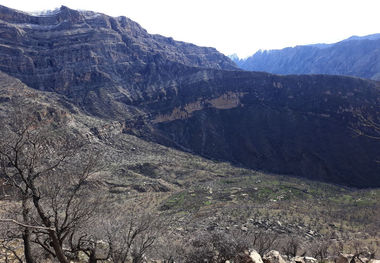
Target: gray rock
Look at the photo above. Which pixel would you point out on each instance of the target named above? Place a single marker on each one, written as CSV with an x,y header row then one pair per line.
x,y
273,256
256,258
310,260
244,228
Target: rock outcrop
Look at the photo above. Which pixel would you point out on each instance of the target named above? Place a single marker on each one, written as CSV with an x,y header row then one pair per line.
x,y
256,258
273,256
95,59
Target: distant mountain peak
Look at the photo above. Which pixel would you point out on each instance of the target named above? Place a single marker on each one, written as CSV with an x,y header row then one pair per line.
x,y
367,37
354,56
233,56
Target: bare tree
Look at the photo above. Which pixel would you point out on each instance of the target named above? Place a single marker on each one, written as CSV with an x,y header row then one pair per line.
x,y
362,251
131,234
50,168
291,246
219,246
169,247
263,242
90,243
320,248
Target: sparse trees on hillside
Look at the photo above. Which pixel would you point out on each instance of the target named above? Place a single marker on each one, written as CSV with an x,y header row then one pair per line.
x,y
53,173
319,249
130,236
218,246
49,170
291,246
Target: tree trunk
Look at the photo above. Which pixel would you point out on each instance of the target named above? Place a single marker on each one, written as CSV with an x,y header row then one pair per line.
x,y
92,258
56,244
57,247
27,247
26,233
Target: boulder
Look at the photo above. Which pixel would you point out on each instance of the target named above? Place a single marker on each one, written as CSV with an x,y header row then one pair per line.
x,y
310,260
273,256
298,259
244,228
256,258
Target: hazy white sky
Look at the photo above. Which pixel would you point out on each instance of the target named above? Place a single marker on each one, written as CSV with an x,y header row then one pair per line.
x,y
236,26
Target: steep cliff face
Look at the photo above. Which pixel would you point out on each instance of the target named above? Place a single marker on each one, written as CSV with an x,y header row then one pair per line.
x,y
92,57
320,127
356,56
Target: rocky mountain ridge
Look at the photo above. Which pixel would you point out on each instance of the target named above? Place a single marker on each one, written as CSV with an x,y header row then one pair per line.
x,y
70,49
194,99
355,56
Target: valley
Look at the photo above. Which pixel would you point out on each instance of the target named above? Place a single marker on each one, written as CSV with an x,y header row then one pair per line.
x,y
180,145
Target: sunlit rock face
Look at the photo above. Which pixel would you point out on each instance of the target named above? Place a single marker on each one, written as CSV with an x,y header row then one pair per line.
x,y
194,98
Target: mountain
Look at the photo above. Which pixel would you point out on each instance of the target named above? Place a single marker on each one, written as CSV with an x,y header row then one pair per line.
x,y
195,99
368,37
355,56
303,125
69,50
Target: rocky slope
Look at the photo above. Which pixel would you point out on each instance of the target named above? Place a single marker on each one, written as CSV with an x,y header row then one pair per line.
x,y
192,98
197,195
355,56
320,127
